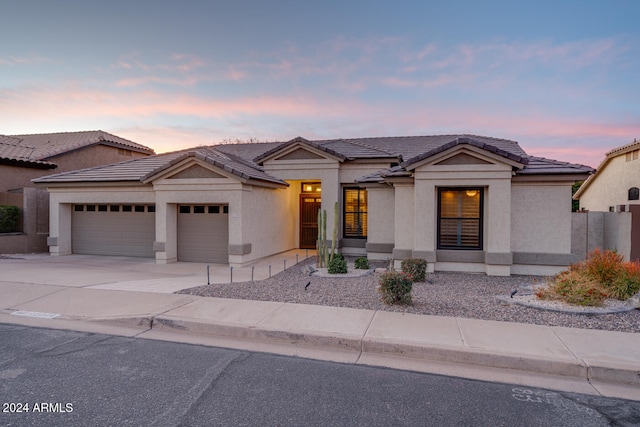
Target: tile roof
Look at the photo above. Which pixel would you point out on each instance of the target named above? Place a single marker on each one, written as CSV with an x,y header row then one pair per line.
x,y
145,168
542,166
42,147
508,152
244,160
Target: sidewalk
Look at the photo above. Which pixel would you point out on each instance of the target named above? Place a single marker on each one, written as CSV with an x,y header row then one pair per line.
x,y
131,297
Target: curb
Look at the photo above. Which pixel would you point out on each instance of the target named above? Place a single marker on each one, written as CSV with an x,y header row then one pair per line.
x,y
614,374
340,342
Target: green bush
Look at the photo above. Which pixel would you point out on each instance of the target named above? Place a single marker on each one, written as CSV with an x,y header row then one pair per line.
x,y
395,287
416,268
9,216
338,265
362,263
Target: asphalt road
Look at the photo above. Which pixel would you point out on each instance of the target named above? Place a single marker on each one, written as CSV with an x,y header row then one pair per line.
x,y
54,378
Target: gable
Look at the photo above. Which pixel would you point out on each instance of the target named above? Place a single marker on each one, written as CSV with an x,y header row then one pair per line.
x,y
195,171
299,154
463,159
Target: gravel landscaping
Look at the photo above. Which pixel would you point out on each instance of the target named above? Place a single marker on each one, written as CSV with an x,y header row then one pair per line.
x,y
442,294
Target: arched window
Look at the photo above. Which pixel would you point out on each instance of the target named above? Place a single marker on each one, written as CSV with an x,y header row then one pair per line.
x,y
634,193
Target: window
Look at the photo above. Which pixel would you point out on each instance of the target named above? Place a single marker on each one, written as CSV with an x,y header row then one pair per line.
x,y
311,187
185,209
634,193
460,218
78,208
114,208
198,209
355,212
214,209
102,208
127,208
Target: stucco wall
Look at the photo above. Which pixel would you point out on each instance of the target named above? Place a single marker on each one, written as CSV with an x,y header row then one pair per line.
x,y
610,186
14,178
267,221
381,216
541,218
604,230
91,156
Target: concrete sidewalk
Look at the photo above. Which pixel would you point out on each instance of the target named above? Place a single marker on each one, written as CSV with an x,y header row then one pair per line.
x,y
130,297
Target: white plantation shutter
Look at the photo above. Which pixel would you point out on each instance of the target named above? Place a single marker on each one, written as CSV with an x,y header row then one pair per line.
x,y
460,218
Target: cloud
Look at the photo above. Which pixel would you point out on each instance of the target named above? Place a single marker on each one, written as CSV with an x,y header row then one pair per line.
x,y
23,60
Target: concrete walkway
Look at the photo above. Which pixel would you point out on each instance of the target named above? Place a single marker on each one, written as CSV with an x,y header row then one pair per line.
x,y
133,297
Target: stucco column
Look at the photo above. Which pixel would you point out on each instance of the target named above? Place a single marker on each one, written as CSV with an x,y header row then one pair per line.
x,y
59,240
404,211
330,195
381,212
166,243
498,256
425,214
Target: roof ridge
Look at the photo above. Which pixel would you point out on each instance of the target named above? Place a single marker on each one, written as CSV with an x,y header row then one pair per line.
x,y
370,147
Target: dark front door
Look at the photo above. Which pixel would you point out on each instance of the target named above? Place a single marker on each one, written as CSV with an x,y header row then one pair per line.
x,y
309,206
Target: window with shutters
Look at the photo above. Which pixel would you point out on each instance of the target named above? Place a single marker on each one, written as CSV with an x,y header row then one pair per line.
x,y
355,213
460,218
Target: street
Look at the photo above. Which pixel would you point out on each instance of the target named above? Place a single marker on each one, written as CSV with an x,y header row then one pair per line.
x,y
53,378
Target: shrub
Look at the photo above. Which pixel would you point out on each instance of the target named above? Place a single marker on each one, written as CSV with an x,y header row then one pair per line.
x,y
627,282
603,266
416,268
9,216
395,287
604,274
337,265
575,287
362,263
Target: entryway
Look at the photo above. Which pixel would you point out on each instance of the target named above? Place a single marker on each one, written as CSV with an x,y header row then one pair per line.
x,y
309,206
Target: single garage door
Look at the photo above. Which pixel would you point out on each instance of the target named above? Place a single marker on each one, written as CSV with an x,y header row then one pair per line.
x,y
120,230
203,233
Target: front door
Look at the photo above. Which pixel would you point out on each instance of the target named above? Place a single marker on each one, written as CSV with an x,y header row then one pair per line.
x,y
309,206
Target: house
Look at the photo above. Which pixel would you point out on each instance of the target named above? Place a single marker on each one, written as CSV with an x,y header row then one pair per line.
x,y
610,198
26,157
462,202
616,182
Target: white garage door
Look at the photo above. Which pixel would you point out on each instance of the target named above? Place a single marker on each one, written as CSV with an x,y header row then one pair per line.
x,y
203,233
121,230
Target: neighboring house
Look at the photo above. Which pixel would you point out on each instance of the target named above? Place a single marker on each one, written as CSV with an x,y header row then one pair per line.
x,y
611,197
463,203
26,157
616,182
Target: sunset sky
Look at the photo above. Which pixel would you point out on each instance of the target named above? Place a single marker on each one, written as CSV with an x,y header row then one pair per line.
x,y
560,77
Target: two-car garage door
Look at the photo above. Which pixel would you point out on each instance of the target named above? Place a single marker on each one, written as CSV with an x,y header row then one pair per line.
x,y
121,230
129,230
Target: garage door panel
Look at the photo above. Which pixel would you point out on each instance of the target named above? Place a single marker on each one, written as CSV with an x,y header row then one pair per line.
x,y
203,237
111,232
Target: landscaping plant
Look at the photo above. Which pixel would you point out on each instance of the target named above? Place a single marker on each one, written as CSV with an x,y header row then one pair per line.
x,y
9,216
395,287
604,274
416,268
338,265
361,263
